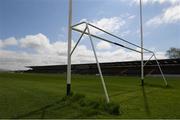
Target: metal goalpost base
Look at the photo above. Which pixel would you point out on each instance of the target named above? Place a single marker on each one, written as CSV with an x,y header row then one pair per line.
x,y
96,58
70,54
115,43
98,65
142,51
86,31
159,67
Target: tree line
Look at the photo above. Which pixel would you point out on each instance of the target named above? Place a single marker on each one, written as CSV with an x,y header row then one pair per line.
x,y
173,53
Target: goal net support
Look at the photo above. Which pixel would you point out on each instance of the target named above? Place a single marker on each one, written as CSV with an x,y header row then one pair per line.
x,y
87,32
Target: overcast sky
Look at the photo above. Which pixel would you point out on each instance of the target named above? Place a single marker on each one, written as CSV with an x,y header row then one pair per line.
x,y
34,32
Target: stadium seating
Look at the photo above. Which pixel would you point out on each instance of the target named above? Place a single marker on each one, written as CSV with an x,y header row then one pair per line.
x,y
131,68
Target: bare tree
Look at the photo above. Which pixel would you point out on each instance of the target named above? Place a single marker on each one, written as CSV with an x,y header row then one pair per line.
x,y
173,53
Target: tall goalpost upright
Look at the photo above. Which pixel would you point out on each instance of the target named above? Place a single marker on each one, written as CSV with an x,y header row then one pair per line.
x,y
142,51
70,53
69,49
87,32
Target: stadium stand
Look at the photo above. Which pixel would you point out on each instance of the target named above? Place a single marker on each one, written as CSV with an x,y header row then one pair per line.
x,y
130,68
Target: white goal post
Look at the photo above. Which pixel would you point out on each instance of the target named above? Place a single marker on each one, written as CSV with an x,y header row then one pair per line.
x,y
87,32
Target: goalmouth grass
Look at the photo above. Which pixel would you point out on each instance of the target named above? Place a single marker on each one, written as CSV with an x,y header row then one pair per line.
x,y
31,96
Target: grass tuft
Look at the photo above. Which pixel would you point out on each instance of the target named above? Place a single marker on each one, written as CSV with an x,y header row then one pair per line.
x,y
90,108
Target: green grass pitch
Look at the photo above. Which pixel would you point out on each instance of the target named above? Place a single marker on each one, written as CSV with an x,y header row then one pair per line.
x,y
33,95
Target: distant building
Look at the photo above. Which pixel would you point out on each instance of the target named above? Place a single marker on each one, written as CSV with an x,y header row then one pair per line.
x,y
169,67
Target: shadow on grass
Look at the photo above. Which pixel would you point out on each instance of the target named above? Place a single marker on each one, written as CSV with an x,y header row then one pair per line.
x,y
145,100
84,108
41,110
121,93
144,97
158,86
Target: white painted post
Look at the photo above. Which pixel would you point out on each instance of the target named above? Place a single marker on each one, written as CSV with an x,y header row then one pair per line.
x,y
69,50
142,51
165,81
98,65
